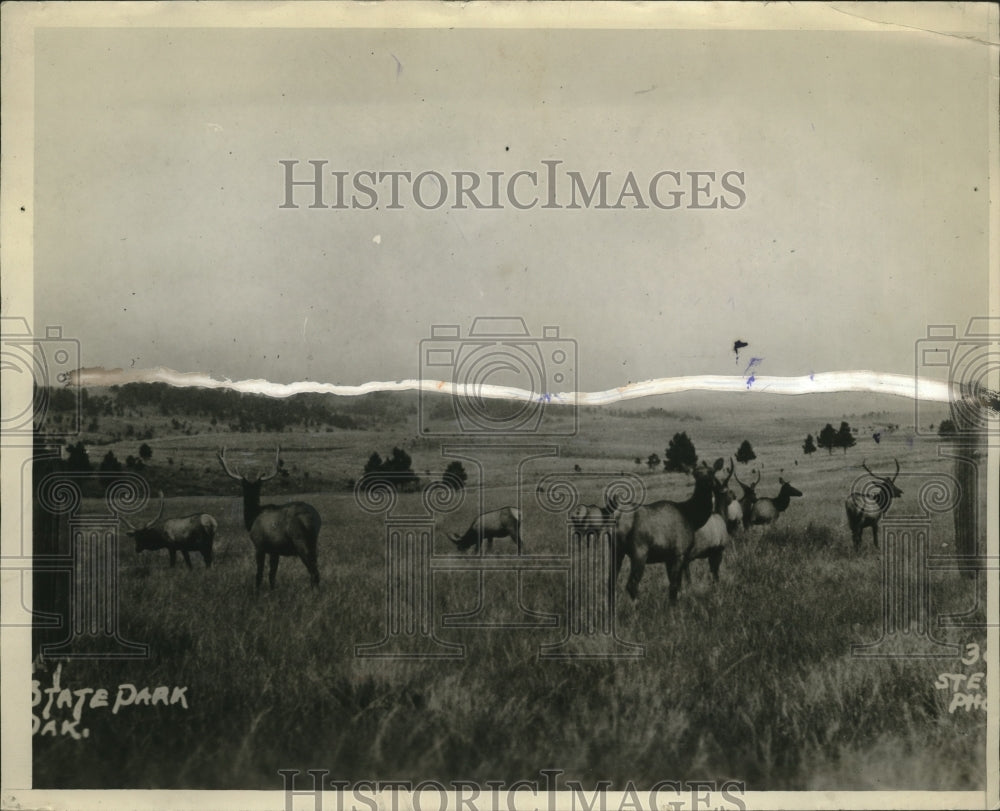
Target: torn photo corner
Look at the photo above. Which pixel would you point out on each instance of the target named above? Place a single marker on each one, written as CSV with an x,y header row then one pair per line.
x,y
471,406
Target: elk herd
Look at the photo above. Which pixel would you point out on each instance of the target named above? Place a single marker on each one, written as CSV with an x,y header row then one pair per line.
x,y
674,533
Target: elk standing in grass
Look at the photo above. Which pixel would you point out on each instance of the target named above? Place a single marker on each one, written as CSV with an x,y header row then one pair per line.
x,y
866,509
745,502
192,533
663,532
766,510
502,523
277,530
589,519
711,539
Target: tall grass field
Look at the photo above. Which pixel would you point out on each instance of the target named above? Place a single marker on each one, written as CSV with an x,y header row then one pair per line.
x,y
750,679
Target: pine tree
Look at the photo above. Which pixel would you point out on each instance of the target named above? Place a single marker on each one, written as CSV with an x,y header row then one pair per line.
x,y
680,454
827,438
745,453
845,439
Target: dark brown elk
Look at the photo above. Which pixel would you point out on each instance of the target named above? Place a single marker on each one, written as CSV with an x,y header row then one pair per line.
x,y
502,523
277,530
711,539
866,509
192,533
746,501
588,519
766,510
663,532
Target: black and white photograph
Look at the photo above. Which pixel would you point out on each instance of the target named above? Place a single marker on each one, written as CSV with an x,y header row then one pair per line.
x,y
558,405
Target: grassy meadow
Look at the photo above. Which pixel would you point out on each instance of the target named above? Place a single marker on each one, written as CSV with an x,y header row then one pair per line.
x,y
748,679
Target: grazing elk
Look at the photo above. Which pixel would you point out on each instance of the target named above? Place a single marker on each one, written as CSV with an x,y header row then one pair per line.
x,y
711,539
663,532
766,510
192,533
589,519
277,530
867,508
502,523
746,501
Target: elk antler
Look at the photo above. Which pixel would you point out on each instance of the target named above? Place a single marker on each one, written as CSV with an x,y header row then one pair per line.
x,y
732,467
147,525
756,481
222,458
738,481
864,464
897,470
158,513
274,472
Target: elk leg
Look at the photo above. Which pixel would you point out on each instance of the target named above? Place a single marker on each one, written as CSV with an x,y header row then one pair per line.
x,y
273,569
313,572
206,553
675,570
614,569
187,558
309,561
875,535
260,569
635,575
714,562
687,573
173,557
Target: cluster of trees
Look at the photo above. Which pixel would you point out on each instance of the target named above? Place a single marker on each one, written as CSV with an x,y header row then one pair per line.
x,y
680,455
830,438
78,459
397,469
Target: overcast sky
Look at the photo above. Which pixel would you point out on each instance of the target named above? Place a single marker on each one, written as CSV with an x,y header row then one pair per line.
x,y
159,239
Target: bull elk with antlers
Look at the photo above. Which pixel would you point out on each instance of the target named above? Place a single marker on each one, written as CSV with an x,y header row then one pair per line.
x,y
711,539
277,530
867,508
745,502
192,533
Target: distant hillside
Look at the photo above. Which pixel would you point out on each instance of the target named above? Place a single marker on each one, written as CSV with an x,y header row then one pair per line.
x,y
827,407
136,409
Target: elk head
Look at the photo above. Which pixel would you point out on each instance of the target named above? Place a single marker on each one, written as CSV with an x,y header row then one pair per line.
x,y
889,484
787,489
723,495
251,487
140,533
749,490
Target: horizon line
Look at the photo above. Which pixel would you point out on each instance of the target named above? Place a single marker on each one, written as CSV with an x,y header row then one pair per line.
x,y
911,387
